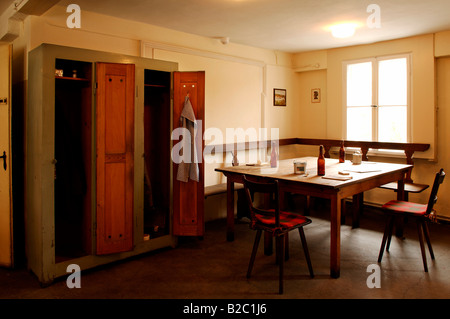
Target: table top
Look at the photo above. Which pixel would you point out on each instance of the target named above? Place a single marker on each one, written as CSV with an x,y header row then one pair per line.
x,y
332,178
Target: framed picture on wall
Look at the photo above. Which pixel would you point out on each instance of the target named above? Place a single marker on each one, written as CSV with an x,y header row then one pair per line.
x,y
315,96
279,97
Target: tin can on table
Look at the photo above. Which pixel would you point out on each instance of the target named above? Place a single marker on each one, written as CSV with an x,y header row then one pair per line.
x,y
299,167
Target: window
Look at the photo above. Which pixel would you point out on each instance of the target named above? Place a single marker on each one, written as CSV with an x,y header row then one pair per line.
x,y
376,99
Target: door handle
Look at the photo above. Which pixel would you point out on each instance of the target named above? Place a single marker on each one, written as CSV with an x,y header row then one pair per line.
x,y
4,160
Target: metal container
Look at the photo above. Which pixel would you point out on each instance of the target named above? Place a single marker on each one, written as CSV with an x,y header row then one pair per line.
x,y
299,167
357,158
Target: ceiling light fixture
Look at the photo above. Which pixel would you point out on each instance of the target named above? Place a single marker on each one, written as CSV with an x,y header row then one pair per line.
x,y
343,30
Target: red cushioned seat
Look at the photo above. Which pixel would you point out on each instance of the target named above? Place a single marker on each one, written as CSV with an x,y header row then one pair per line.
x,y
405,207
287,220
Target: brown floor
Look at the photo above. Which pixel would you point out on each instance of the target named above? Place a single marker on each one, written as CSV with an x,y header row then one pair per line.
x,y
213,268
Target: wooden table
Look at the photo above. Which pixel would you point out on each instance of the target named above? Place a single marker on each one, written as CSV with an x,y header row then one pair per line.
x,y
366,176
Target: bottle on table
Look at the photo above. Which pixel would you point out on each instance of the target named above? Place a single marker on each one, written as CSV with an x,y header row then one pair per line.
x,y
273,156
342,153
321,162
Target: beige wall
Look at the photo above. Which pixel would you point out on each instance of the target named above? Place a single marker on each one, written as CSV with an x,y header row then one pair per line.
x,y
313,116
442,44
240,81
430,103
424,170
423,85
275,116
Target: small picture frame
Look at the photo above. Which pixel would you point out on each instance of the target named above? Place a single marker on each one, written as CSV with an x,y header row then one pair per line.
x,y
279,97
315,96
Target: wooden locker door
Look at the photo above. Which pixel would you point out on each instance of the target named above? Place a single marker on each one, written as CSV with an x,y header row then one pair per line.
x,y
188,197
115,160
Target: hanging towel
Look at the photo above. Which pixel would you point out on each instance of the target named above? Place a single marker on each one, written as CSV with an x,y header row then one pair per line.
x,y
188,121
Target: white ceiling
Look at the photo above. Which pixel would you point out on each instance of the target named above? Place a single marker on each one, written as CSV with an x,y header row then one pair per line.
x,y
285,25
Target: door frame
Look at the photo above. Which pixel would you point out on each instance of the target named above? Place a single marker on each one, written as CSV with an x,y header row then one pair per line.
x,y
7,149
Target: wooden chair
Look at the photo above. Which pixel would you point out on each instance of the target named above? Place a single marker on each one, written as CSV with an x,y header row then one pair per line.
x,y
274,221
422,214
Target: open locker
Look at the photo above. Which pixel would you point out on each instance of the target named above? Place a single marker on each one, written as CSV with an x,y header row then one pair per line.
x,y
157,127
99,173
64,221
73,126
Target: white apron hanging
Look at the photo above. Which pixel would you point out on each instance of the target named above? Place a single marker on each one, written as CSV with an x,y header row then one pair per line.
x,y
190,169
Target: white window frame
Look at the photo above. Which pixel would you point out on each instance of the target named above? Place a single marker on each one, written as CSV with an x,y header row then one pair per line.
x,y
374,61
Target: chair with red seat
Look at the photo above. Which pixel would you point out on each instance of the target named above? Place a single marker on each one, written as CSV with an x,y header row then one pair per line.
x,y
274,221
420,212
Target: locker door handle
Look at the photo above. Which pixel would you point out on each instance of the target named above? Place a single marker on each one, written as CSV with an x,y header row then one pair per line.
x,y
4,160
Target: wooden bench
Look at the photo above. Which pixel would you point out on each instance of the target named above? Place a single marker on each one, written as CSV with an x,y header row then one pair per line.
x,y
242,209
364,146
219,189
408,148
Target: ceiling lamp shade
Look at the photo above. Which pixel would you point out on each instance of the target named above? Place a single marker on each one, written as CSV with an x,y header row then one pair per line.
x,y
343,30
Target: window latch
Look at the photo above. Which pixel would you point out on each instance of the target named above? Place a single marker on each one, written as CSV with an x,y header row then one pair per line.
x,y
373,105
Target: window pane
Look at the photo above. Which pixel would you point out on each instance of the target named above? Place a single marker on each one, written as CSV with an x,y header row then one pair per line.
x,y
392,124
392,82
359,123
359,84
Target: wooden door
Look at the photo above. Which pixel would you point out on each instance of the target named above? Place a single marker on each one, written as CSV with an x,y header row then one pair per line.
x,y
115,157
188,197
6,244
